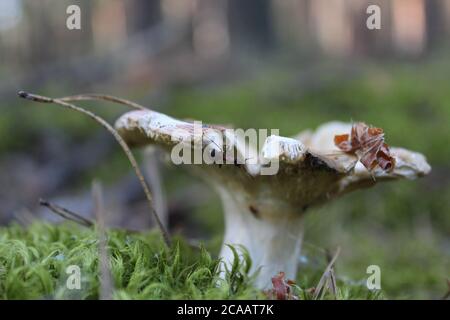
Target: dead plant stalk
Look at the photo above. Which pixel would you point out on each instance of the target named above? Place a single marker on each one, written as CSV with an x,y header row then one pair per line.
x,y
110,129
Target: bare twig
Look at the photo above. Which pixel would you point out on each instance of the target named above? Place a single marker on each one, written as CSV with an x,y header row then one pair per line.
x,y
447,295
66,214
151,167
104,97
122,143
106,285
332,283
24,216
320,288
332,279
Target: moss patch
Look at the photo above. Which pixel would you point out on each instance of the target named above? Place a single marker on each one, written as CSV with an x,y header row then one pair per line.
x,y
34,261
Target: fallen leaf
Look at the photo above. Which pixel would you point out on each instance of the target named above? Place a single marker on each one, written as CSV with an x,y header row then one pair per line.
x,y
368,144
282,288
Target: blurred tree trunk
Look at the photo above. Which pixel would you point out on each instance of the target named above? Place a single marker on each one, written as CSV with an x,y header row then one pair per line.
x,y
142,14
436,27
42,25
251,22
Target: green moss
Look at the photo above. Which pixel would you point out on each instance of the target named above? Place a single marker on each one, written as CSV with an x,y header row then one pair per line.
x,y
33,264
34,261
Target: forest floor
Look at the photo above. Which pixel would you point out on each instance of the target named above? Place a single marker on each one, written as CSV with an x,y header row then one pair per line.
x,y
402,227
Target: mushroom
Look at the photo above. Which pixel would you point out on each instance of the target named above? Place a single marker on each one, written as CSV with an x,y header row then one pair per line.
x,y
265,212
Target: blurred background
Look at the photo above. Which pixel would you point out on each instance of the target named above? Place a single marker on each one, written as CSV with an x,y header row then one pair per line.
x,y
290,64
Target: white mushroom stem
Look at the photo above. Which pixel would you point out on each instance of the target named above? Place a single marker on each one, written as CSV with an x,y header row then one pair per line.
x,y
273,246
265,213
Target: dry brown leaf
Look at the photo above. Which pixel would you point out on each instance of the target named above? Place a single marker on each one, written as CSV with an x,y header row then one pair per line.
x,y
368,144
282,288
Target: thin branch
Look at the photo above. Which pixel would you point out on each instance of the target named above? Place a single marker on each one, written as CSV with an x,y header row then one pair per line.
x,y
66,214
106,284
332,278
103,97
447,295
326,275
122,143
24,216
332,283
151,167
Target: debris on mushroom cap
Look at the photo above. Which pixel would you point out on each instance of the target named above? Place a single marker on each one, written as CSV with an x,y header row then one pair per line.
x,y
143,127
408,164
287,149
368,143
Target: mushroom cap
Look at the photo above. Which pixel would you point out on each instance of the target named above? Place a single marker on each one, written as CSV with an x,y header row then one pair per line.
x,y
311,169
